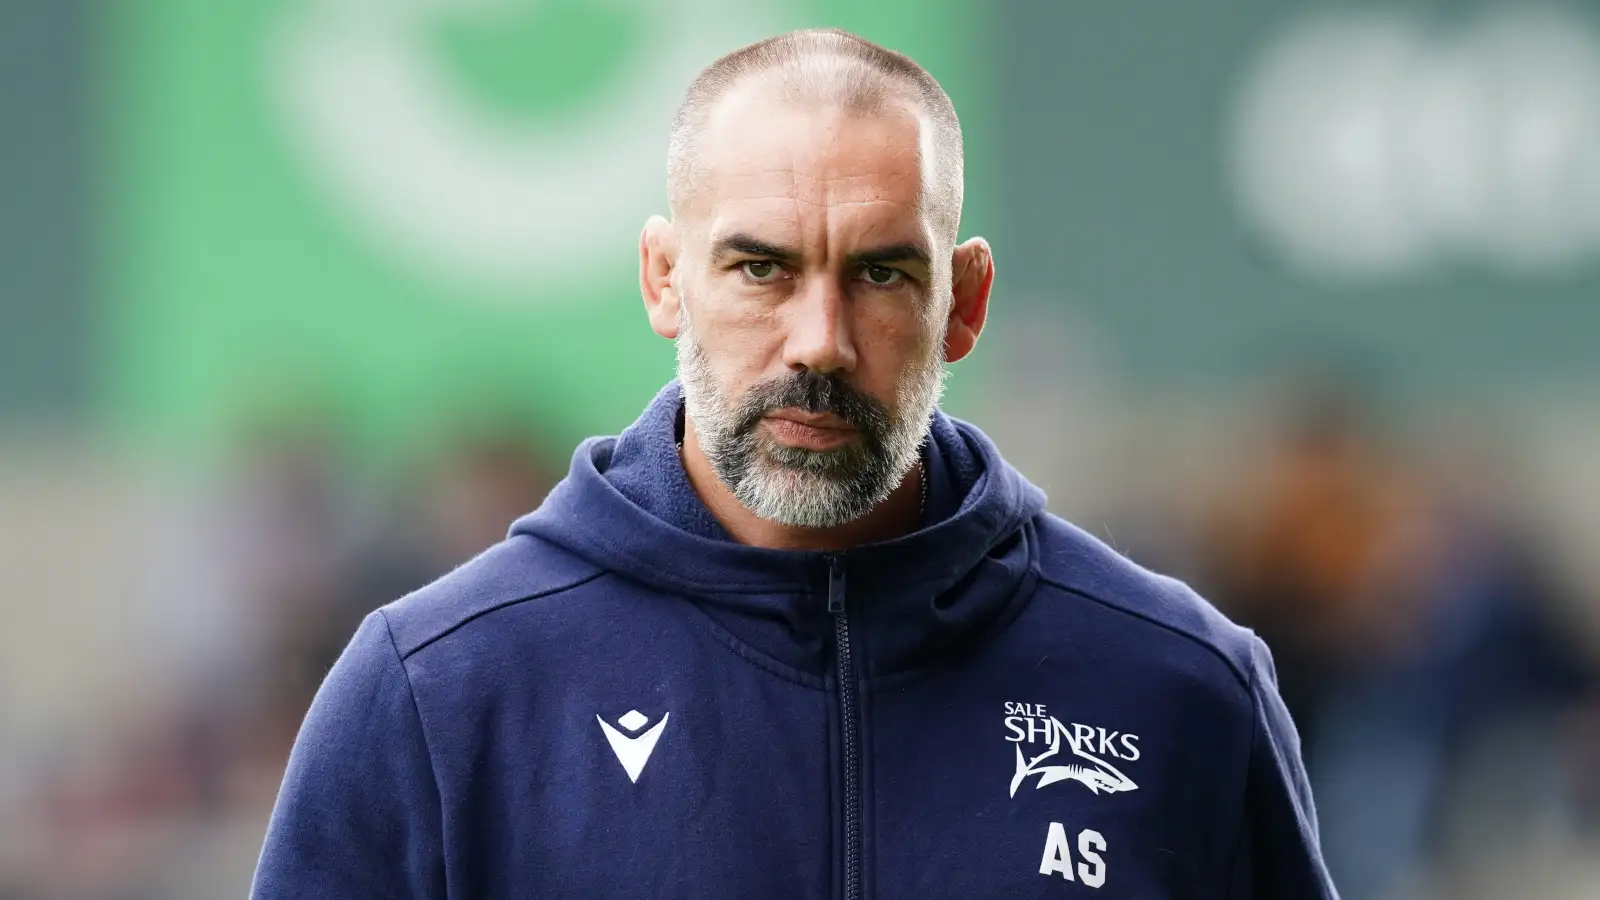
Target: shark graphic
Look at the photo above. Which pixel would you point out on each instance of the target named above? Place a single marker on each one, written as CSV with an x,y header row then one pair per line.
x,y
1098,776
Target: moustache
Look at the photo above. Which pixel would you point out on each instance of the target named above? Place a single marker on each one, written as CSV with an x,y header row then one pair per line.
x,y
816,394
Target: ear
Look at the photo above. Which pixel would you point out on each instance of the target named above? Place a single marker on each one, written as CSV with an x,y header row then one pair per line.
x,y
972,276
658,256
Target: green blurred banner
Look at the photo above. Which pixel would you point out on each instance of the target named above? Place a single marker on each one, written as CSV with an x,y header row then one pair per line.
x,y
406,214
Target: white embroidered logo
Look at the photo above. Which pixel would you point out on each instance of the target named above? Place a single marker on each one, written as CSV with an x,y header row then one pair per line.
x,y
1029,724
633,752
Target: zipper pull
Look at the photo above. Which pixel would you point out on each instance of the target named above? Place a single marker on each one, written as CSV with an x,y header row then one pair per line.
x,y
835,585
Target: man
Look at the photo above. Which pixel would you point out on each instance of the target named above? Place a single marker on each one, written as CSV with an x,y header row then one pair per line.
x,y
795,633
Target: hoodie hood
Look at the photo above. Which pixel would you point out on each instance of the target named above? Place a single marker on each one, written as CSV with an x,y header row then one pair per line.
x,y
626,505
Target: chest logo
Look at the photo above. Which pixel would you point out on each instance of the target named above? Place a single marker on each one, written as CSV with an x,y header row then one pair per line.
x,y
1054,751
633,752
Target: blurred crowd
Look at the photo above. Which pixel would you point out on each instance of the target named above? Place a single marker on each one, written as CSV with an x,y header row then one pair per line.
x,y
1424,642
292,547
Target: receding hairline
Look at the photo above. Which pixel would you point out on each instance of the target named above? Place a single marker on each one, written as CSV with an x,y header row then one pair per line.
x,y
828,66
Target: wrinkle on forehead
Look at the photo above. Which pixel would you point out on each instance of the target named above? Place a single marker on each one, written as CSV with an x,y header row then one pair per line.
x,y
827,227
759,149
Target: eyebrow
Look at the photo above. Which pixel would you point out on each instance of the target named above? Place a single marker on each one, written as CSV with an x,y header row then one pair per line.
x,y
740,242
893,253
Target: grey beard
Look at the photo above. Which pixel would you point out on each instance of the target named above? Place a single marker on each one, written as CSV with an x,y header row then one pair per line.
x,y
796,486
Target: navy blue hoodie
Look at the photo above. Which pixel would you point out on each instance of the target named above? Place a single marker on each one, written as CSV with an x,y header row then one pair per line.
x,y
619,702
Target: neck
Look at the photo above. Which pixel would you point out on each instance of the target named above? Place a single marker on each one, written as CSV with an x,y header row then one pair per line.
x,y
899,514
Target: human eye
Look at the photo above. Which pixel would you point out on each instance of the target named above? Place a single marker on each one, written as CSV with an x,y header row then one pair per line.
x,y
881,276
761,271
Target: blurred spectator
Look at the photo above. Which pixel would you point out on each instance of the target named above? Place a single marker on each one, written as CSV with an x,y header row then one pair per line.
x,y
302,556
464,502
1408,630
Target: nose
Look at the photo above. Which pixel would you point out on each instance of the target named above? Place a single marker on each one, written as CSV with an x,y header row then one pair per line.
x,y
819,333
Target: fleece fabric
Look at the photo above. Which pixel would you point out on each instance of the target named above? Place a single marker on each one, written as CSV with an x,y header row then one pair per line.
x,y
620,702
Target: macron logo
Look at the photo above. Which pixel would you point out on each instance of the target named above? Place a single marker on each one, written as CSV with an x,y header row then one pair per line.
x,y
633,752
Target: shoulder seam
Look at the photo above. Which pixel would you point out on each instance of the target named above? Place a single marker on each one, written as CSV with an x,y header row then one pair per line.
x,y
1244,806
549,592
1244,681
416,710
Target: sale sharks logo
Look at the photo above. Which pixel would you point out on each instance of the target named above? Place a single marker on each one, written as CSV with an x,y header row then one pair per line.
x,y
1057,751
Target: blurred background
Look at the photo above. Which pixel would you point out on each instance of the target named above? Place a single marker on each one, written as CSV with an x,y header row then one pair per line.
x,y
303,301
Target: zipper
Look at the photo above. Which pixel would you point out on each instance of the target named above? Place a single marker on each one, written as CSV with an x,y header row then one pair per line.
x,y
849,716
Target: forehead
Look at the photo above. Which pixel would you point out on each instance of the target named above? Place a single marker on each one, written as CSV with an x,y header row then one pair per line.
x,y
765,162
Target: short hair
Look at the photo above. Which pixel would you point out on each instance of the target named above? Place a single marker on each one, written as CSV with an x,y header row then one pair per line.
x,y
826,65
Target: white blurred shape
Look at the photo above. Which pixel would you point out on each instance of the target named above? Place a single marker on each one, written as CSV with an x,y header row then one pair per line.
x,y
1316,150
478,202
1446,148
1364,145
1542,68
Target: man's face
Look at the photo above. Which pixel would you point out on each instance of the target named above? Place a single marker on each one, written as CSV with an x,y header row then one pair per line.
x,y
814,295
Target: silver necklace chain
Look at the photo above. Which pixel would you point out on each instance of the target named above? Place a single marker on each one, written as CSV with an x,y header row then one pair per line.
x,y
922,510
